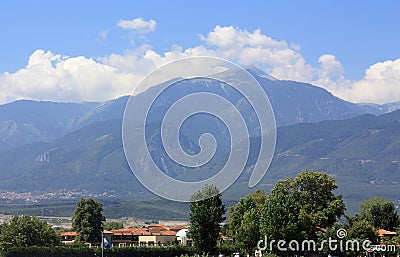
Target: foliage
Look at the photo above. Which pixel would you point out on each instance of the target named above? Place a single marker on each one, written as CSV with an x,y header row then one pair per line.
x,y
236,214
259,197
88,220
25,231
244,221
297,207
65,251
362,230
314,195
380,212
206,216
248,234
113,225
283,218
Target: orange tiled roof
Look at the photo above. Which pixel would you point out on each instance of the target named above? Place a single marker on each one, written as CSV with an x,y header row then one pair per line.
x,y
177,228
156,230
382,232
68,233
168,233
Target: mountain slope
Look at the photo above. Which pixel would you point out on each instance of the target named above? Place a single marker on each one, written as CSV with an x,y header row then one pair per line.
x,y
362,153
24,122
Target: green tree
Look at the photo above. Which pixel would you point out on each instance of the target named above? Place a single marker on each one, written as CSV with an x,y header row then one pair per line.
x,y
25,231
380,212
248,234
88,220
283,219
113,225
314,194
206,216
237,212
259,197
244,220
362,230
297,207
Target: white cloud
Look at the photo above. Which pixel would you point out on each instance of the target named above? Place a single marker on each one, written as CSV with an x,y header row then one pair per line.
x,y
277,57
381,84
50,76
139,24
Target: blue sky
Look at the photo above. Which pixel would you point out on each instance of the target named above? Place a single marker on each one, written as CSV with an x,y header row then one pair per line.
x,y
331,44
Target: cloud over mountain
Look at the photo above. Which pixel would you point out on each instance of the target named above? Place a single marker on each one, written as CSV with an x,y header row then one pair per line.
x,y
53,76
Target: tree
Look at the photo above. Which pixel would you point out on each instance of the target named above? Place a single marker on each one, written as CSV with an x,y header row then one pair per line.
x,y
113,225
297,207
380,212
259,197
362,230
314,194
248,234
88,220
283,219
206,216
25,231
237,213
244,221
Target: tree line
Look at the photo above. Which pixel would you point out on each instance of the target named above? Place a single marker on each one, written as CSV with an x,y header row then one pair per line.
x,y
301,208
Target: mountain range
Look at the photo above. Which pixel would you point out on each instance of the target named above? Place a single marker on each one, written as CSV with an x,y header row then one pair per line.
x,y
61,147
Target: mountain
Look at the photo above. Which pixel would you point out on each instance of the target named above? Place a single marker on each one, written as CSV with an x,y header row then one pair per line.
x,y
362,153
23,122
378,109
67,147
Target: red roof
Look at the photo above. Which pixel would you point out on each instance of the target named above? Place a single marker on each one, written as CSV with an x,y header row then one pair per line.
x,y
382,232
177,228
68,233
168,233
155,230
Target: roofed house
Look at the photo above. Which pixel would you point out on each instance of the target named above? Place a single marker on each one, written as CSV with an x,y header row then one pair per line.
x,y
385,235
152,235
68,237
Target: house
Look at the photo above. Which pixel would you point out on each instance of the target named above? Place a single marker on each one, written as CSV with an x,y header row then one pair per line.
x,y
68,237
151,235
385,236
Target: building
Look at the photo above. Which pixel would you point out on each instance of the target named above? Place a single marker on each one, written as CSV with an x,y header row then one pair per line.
x,y
68,238
152,235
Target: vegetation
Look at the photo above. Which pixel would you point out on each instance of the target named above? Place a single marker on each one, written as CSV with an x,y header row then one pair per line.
x,y
300,208
244,225
206,216
25,231
113,225
84,251
88,220
380,212
294,210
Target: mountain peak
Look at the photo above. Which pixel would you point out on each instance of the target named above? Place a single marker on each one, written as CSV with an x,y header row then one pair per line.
x,y
257,72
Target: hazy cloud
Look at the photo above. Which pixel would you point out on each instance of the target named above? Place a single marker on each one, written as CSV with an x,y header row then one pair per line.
x,y
139,24
102,36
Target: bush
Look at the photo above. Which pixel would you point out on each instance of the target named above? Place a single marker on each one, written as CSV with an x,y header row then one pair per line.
x,y
66,251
